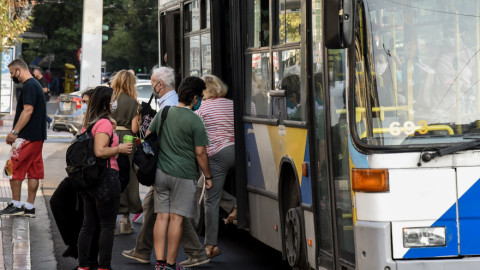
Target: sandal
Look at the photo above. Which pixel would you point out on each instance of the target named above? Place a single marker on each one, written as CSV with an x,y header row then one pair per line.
x,y
212,251
232,216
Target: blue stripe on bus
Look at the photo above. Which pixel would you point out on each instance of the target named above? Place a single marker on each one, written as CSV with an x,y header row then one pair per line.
x,y
469,216
254,167
359,160
448,220
306,188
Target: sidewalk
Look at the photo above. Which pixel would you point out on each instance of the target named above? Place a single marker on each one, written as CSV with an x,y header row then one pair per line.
x,y
17,250
14,232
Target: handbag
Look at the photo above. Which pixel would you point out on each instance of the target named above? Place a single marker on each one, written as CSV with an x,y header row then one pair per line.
x,y
147,115
146,157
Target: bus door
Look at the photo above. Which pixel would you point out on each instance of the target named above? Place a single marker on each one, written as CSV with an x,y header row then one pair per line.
x,y
170,38
334,215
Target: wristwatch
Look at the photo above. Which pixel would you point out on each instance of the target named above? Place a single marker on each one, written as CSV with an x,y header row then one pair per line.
x,y
14,132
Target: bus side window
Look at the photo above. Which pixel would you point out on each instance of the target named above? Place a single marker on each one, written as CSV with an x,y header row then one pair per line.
x,y
258,85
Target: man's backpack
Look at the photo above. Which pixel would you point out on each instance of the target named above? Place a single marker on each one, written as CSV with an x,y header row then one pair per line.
x,y
146,157
84,169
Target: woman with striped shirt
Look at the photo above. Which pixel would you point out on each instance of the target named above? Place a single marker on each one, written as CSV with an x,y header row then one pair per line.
x,y
217,114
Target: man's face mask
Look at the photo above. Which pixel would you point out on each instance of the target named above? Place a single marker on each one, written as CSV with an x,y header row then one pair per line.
x,y
15,78
155,92
199,102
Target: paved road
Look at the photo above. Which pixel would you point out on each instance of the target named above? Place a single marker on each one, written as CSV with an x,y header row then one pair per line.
x,y
240,251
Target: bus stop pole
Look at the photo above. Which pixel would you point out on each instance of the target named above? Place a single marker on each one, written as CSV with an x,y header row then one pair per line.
x,y
91,57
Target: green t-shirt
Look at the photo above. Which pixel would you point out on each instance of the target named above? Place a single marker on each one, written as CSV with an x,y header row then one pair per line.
x,y
182,131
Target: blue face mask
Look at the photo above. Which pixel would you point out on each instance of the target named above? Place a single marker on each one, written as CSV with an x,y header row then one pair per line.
x,y
199,102
84,107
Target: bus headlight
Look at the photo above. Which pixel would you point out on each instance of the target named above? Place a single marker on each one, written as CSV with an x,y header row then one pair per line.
x,y
424,237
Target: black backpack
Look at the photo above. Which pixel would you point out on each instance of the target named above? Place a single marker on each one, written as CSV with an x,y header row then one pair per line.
x,y
147,114
84,169
146,157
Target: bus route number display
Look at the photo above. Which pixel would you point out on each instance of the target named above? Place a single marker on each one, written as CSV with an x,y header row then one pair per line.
x,y
408,128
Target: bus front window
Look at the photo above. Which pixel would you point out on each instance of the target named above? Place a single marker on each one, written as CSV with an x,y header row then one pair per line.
x,y
416,72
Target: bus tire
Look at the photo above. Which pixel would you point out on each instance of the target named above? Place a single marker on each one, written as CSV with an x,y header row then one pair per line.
x,y
293,236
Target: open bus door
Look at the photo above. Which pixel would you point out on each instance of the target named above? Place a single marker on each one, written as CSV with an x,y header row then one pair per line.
x,y
170,39
334,213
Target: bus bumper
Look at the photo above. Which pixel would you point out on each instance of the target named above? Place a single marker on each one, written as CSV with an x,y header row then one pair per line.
x,y
373,247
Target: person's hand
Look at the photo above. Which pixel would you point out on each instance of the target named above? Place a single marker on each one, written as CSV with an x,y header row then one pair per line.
x,y
125,148
11,138
208,184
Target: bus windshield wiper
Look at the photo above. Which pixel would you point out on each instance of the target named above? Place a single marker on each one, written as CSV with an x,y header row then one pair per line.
x,y
427,156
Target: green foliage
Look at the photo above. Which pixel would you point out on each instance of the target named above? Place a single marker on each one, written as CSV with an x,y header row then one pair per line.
x,y
132,35
62,23
14,20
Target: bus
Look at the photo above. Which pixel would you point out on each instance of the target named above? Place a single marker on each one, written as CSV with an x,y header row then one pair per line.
x,y
357,124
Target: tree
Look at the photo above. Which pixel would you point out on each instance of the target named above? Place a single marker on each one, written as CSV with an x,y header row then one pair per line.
x,y
14,20
133,34
62,23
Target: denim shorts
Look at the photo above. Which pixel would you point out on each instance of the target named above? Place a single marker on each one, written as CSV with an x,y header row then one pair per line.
x,y
174,195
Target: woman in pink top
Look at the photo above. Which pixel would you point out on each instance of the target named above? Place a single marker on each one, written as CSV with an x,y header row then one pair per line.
x,y
217,114
101,203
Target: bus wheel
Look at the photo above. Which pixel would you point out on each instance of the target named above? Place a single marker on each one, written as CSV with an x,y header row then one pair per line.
x,y
293,236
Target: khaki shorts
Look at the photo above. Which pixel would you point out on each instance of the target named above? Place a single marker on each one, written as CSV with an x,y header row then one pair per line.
x,y
174,195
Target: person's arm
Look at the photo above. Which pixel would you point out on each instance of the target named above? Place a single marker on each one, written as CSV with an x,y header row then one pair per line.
x,y
202,159
101,148
21,123
45,89
135,124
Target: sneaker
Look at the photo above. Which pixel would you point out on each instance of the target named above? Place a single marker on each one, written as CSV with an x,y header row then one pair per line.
x,y
177,267
12,210
131,254
191,261
136,217
125,226
29,213
159,266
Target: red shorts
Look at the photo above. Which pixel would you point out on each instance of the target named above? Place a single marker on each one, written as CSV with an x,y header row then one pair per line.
x,y
27,160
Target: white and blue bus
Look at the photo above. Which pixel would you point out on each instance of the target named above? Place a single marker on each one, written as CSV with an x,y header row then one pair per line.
x,y
357,124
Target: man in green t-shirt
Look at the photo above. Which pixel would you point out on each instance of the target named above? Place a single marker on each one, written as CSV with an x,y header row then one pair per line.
x,y
182,146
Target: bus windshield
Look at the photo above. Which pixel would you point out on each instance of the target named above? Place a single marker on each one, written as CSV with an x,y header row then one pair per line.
x,y
416,72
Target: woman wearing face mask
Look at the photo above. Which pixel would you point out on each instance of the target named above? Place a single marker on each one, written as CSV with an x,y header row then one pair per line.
x,y
67,210
217,114
125,113
85,98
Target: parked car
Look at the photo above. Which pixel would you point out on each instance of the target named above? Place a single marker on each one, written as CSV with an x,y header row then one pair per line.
x,y
69,116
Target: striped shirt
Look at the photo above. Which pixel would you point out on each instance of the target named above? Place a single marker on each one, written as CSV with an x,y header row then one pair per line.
x,y
217,114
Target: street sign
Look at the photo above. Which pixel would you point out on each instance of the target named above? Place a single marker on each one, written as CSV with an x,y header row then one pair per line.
x,y
6,91
79,55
